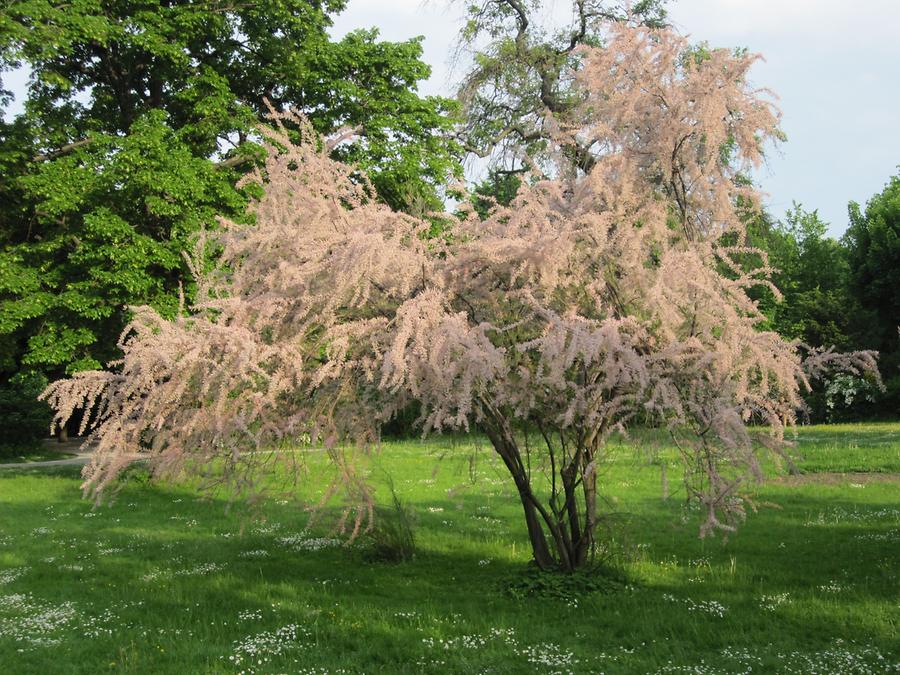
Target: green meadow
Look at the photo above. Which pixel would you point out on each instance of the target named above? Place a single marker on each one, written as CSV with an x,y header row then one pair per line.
x,y
161,580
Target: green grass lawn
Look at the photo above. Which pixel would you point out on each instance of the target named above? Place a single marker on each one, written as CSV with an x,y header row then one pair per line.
x,y
163,582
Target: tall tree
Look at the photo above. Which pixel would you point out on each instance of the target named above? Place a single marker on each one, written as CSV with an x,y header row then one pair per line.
x,y
520,86
817,305
813,276
873,242
139,121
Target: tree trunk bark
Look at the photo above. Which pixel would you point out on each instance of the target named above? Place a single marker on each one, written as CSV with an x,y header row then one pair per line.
x,y
509,453
586,543
571,541
540,550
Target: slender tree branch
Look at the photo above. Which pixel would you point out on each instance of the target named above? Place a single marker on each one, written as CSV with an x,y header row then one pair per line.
x,y
64,150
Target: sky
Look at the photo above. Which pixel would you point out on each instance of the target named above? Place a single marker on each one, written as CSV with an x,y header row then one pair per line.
x,y
834,64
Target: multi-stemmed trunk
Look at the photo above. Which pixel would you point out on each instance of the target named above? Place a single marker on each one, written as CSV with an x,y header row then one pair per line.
x,y
561,527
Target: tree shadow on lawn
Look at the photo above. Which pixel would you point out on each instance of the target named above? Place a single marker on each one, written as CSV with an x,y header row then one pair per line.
x,y
448,590
776,539
379,615
784,543
790,535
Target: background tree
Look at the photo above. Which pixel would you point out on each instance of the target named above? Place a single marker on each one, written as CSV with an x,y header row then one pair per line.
x,y
817,304
138,122
873,243
812,274
521,74
548,325
498,187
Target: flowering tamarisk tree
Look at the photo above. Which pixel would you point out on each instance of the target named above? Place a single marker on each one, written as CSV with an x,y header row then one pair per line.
x,y
596,299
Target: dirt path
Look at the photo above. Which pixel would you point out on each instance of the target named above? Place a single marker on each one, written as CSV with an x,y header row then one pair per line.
x,y
81,457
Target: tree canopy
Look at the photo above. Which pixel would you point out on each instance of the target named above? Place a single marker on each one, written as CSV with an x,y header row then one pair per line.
x,y
873,243
520,77
812,274
138,121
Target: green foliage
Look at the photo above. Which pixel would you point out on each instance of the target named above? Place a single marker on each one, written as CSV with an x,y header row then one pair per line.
x,y
500,187
24,419
113,219
873,240
812,274
404,146
846,396
873,244
571,586
139,120
819,305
